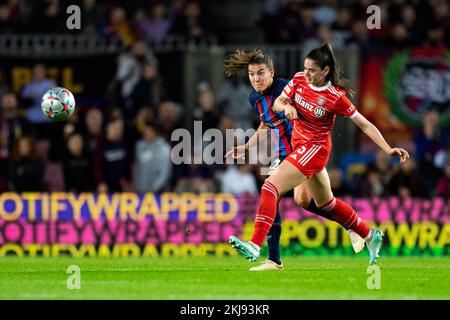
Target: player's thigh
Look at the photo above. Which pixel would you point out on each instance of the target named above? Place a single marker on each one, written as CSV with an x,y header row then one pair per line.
x,y
286,177
302,195
320,187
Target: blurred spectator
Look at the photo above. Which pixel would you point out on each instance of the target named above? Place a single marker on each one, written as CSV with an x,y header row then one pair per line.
x,y
60,132
77,166
383,165
409,20
232,97
443,184
269,19
26,169
435,37
91,16
195,178
407,181
324,35
207,112
147,91
32,94
6,25
361,38
431,138
112,167
168,119
239,180
375,186
130,70
193,25
12,127
395,11
289,22
177,8
442,157
225,123
441,12
326,13
338,184
94,129
119,27
375,181
399,37
308,23
428,141
117,113
153,162
341,27
145,114
155,28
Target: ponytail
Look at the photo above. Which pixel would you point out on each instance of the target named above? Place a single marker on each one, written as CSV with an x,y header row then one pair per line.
x,y
324,56
239,61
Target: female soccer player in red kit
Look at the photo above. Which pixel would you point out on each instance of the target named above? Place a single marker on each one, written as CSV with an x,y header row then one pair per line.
x,y
312,99
266,88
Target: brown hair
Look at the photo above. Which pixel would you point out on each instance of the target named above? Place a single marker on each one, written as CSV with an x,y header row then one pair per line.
x,y
239,61
324,56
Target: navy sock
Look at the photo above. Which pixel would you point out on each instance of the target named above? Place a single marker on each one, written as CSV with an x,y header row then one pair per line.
x,y
313,208
273,240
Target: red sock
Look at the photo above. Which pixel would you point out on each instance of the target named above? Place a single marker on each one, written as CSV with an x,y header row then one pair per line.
x,y
346,216
266,213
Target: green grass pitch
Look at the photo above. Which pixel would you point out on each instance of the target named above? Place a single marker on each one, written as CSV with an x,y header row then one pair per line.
x,y
211,278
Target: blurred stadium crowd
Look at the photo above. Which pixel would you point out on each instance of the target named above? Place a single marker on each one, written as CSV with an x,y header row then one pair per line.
x,y
404,22
118,148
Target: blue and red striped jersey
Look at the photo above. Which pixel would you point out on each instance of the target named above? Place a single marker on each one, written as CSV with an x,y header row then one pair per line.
x,y
277,121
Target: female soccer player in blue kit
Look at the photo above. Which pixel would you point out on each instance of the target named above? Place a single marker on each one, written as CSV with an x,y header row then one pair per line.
x,y
266,88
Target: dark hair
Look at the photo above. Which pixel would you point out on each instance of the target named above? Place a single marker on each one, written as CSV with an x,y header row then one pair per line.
x,y
324,56
154,124
240,60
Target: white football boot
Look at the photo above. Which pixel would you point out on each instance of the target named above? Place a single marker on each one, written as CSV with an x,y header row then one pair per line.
x,y
357,241
267,265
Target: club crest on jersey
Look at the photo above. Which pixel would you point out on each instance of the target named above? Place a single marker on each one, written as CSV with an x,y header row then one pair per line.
x,y
350,109
319,112
321,101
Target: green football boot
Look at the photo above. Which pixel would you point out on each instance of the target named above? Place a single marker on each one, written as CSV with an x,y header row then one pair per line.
x,y
247,249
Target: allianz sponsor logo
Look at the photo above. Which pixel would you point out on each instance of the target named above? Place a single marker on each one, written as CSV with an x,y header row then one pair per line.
x,y
303,103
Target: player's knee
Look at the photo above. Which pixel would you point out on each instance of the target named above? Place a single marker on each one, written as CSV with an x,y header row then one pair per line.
x,y
271,181
281,187
301,199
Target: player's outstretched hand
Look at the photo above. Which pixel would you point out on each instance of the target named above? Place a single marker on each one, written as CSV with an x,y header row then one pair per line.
x,y
399,152
237,152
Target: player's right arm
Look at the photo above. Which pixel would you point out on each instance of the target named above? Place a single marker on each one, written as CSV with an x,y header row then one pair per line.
x,y
259,136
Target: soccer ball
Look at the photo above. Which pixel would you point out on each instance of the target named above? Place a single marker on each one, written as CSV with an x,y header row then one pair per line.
x,y
58,104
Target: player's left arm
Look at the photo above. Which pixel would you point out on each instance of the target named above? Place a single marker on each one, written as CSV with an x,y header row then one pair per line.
x,y
373,133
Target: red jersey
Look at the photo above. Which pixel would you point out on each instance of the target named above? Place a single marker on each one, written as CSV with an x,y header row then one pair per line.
x,y
317,108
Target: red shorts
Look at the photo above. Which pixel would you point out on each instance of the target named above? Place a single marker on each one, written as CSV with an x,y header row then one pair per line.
x,y
310,158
